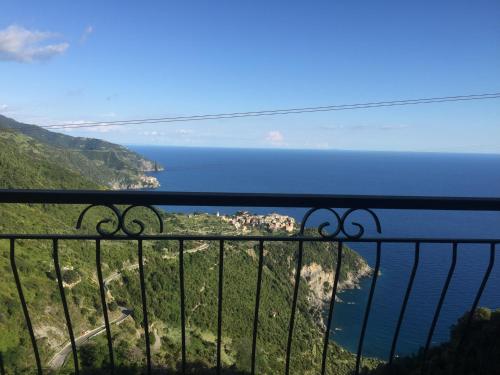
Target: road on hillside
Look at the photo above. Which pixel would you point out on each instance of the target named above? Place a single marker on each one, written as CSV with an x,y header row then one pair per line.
x,y
60,357
201,247
58,360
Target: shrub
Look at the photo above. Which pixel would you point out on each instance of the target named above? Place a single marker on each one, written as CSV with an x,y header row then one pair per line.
x,y
70,276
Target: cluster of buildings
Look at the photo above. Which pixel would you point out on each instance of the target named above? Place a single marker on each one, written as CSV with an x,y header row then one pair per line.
x,y
149,182
142,182
272,223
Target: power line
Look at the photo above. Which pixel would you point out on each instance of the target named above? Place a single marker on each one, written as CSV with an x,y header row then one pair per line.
x,y
275,112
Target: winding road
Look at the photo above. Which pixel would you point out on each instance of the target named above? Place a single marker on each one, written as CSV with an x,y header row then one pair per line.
x,y
201,247
58,360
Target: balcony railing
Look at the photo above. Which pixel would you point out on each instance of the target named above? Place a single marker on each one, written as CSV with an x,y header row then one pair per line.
x,y
343,229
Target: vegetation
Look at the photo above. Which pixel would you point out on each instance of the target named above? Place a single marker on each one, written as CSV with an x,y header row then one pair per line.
x,y
43,161
34,158
99,162
479,354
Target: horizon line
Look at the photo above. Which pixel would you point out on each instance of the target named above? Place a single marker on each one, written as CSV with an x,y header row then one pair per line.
x,y
314,149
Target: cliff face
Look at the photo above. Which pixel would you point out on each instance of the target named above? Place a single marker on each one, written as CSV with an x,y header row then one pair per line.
x,y
149,166
320,282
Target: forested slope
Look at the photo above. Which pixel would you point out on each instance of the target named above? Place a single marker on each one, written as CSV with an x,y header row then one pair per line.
x,y
101,162
28,163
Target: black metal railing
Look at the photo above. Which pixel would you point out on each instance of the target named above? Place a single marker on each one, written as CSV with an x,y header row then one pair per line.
x,y
340,208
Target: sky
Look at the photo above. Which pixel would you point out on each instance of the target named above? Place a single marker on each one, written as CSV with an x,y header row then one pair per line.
x,y
74,61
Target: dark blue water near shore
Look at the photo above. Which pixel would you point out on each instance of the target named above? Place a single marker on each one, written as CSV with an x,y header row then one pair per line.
x,y
328,172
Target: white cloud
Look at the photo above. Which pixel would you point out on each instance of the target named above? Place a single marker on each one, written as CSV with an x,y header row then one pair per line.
x,y
86,33
23,45
184,131
104,128
393,127
3,107
275,137
363,127
152,133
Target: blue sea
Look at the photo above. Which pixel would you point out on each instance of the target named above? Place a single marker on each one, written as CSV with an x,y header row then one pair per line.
x,y
389,173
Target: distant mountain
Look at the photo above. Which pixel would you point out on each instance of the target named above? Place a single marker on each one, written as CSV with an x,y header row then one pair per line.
x,y
101,162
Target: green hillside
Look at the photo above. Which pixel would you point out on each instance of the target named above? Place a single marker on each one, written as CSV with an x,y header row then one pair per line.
x,y
51,162
102,162
26,162
162,281
480,353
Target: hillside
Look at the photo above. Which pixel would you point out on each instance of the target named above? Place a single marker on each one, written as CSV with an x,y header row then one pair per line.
x,y
162,286
480,353
26,162
101,162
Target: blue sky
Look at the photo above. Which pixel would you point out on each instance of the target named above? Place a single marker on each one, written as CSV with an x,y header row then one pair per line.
x,y
92,60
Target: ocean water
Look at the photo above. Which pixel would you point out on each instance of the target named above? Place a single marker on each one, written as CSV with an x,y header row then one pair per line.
x,y
343,172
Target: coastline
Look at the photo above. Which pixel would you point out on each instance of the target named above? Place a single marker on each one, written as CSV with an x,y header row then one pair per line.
x,y
319,296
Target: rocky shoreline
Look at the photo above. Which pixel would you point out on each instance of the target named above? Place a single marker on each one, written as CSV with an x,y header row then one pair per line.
x,y
320,282
142,182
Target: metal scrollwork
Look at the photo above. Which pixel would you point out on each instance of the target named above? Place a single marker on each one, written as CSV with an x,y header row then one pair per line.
x,y
340,223
120,222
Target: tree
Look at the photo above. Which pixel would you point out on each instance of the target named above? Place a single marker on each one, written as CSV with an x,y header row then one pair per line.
x,y
70,276
92,357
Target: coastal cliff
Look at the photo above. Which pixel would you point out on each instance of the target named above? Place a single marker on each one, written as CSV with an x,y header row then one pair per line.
x,y
101,163
320,281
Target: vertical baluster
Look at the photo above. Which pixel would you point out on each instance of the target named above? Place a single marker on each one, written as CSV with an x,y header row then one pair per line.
x,y
219,307
439,306
257,305
24,306
368,307
183,312
144,305
102,291
294,307
405,301
474,305
55,248
2,368
332,304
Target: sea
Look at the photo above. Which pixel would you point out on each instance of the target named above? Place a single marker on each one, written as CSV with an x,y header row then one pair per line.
x,y
368,173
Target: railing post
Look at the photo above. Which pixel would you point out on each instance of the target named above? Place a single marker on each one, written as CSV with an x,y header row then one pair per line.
x,y
405,302
474,305
24,306
144,305
55,248
104,304
439,306
183,311
2,368
368,308
326,339
294,306
257,305
219,305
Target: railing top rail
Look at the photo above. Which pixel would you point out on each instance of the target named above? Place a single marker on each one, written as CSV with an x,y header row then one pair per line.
x,y
248,199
